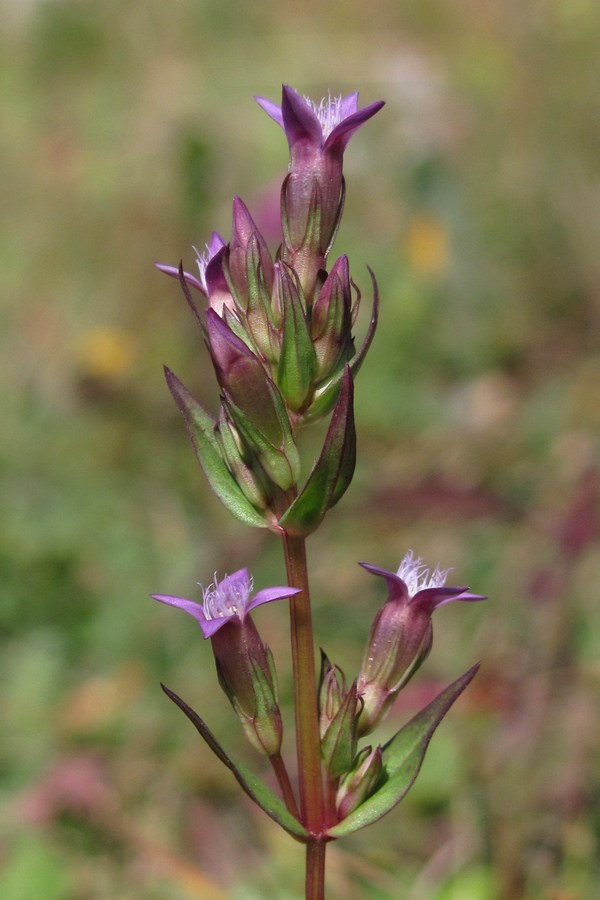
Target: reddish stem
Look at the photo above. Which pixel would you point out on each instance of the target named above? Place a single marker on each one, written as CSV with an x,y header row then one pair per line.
x,y
285,785
308,741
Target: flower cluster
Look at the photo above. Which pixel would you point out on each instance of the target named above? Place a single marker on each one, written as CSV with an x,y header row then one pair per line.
x,y
279,331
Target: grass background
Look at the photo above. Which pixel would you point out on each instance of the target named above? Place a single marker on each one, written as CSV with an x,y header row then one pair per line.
x,y
127,129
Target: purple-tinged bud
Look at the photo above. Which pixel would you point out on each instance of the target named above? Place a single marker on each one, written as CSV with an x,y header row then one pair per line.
x,y
331,321
244,663
401,634
360,783
249,270
312,195
244,233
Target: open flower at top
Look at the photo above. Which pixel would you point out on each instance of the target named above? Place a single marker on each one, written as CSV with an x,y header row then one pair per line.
x,y
328,124
401,634
312,195
226,601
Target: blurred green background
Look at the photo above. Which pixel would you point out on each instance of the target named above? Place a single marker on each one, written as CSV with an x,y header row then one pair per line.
x,y
127,129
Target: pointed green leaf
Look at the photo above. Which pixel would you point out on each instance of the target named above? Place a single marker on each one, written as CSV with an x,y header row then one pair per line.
x,y
333,471
256,789
201,426
402,759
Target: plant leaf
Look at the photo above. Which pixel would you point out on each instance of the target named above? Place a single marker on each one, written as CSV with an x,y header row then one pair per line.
x,y
201,426
250,783
333,471
402,759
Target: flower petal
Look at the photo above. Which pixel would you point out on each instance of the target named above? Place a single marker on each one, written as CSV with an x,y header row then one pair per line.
x,y
430,598
396,586
173,272
349,105
267,595
342,133
300,122
194,609
271,110
241,577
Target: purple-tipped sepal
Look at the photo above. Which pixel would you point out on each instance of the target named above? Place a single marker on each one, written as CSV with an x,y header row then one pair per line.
x,y
244,663
401,634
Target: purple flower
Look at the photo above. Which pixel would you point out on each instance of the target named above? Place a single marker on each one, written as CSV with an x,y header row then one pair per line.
x,y
210,281
401,634
414,584
226,601
328,124
312,193
244,663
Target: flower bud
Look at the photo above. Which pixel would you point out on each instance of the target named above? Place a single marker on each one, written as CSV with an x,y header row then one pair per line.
x,y
337,719
360,783
249,269
332,689
331,321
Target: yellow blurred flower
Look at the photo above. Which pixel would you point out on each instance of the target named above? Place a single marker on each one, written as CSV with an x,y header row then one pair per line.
x,y
104,352
427,245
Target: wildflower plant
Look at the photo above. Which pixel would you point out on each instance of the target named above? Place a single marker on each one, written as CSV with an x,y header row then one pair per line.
x,y
279,331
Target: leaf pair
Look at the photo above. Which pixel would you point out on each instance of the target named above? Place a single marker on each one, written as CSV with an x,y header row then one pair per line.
x,y
402,759
328,481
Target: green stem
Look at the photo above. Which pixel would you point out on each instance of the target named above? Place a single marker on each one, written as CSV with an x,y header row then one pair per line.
x,y
308,743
